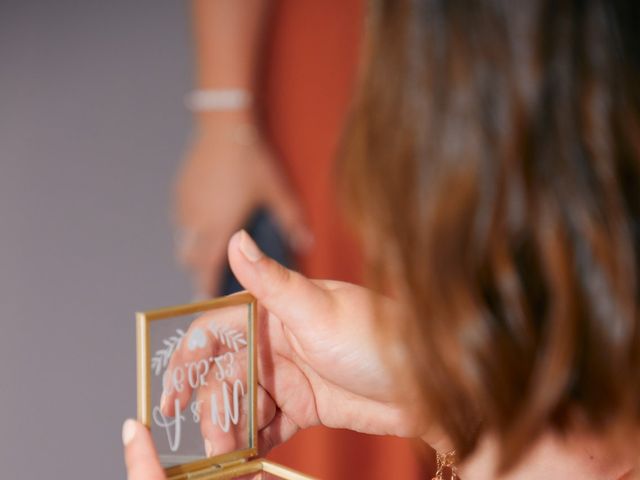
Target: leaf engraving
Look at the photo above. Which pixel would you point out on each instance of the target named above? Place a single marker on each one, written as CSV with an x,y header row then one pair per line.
x,y
161,358
230,337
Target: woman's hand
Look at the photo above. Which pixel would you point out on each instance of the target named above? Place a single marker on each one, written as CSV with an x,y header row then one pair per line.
x,y
323,364
318,362
319,359
228,172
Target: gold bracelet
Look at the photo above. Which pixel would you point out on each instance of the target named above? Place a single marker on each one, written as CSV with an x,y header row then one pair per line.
x,y
446,460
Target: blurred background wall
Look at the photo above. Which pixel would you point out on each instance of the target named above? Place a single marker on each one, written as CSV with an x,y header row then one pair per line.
x,y
91,130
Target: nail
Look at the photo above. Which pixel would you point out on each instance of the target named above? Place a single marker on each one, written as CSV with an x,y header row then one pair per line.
x,y
163,402
208,449
128,431
249,248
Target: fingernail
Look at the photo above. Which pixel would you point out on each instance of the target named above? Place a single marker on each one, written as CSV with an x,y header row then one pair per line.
x,y
249,248
208,449
163,402
128,431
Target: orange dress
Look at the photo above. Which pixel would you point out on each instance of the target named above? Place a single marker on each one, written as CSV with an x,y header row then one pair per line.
x,y
310,68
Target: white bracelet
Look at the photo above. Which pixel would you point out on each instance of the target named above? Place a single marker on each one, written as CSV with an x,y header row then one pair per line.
x,y
218,100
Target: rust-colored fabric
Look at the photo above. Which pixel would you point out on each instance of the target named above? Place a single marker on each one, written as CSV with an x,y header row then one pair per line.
x,y
310,67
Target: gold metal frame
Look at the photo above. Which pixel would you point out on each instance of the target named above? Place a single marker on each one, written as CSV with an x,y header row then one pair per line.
x,y
229,465
143,321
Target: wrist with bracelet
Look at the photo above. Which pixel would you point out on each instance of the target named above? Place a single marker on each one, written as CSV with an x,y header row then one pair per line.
x,y
230,106
218,100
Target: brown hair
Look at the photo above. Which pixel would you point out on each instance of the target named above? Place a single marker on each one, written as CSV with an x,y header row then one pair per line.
x,y
493,164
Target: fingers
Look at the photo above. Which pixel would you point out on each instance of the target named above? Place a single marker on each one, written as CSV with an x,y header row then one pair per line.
x,y
290,296
139,453
223,406
208,275
203,255
278,431
287,212
200,352
217,441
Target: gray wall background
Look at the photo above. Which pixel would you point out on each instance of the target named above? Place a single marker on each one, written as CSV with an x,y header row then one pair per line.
x,y
91,130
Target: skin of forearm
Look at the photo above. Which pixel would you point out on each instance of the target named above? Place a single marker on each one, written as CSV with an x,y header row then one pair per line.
x,y
227,36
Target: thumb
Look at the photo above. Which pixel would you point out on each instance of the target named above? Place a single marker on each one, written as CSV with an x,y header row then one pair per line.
x,y
139,453
287,294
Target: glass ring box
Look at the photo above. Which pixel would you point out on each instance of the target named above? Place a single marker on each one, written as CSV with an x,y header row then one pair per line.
x,y
198,389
